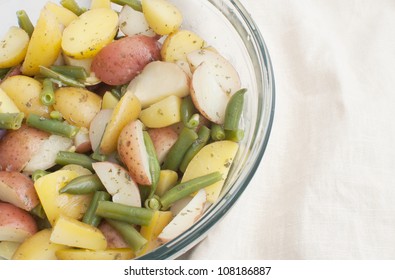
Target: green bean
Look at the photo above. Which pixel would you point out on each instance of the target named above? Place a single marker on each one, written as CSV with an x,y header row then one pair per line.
x,y
217,132
24,22
234,109
96,155
203,137
193,121
128,232
187,111
38,211
154,165
124,213
56,115
135,4
11,120
177,151
4,72
90,216
65,158
60,78
188,187
37,174
83,185
52,126
234,135
75,72
72,6
47,95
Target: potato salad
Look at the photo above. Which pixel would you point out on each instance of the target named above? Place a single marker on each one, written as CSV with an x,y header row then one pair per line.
x,y
118,128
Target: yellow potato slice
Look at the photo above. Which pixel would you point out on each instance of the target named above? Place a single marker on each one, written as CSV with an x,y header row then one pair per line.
x,y
216,156
38,247
162,16
13,47
86,36
178,44
44,45
83,254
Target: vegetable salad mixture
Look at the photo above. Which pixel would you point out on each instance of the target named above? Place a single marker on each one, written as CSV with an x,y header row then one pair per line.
x,y
117,129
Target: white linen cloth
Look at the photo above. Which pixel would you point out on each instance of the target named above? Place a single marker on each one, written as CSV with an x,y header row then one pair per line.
x,y
325,188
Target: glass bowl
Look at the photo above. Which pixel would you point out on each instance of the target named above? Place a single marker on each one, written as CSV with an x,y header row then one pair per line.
x,y
227,26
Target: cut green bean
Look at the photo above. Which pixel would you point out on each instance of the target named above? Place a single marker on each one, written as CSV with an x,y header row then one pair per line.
x,y
24,22
177,151
37,174
135,4
188,187
83,185
188,112
60,78
38,211
11,120
56,115
234,109
72,6
47,95
197,145
52,126
217,132
153,162
65,158
4,72
128,232
90,216
124,213
75,72
234,135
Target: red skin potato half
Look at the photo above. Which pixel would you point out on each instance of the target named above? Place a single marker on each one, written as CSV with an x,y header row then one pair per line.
x,y
122,60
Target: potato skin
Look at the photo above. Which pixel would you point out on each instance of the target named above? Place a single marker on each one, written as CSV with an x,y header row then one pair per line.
x,y
120,61
12,216
22,186
18,146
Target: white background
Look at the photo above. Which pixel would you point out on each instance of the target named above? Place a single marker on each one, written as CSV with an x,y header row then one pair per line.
x,y
326,186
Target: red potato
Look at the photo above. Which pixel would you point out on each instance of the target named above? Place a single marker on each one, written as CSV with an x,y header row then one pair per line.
x,y
114,239
163,139
18,189
133,153
15,224
122,60
18,146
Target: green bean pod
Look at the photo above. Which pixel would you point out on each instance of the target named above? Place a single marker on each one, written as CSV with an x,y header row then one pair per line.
x,y
90,216
153,162
24,22
177,151
187,111
234,109
60,78
234,135
75,72
11,120
124,213
83,185
188,187
52,126
37,174
128,232
200,142
217,132
135,4
72,6
47,95
65,158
